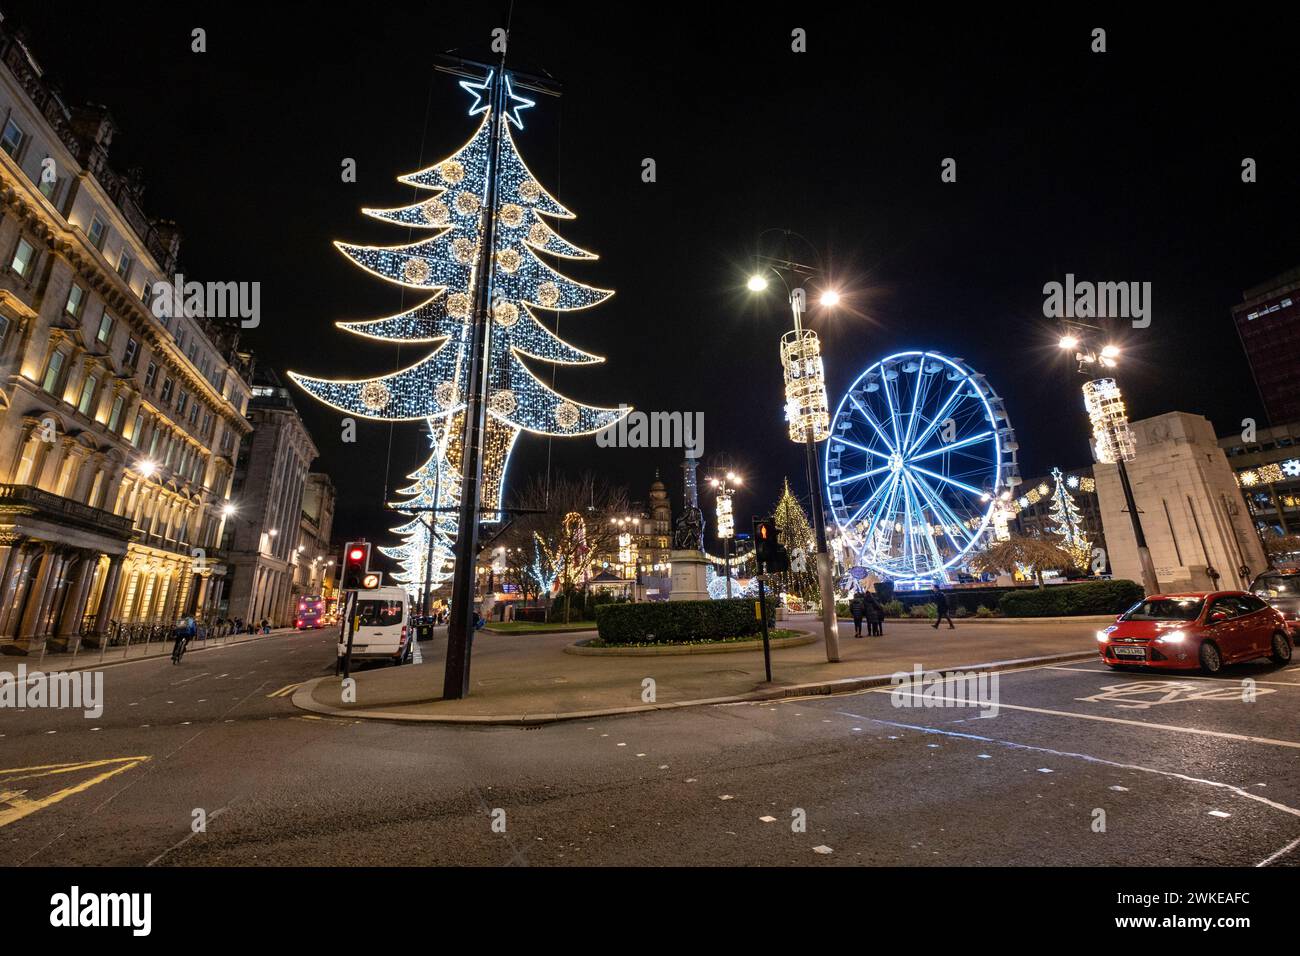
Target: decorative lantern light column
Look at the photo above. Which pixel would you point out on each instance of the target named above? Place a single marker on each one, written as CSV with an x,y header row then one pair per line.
x,y
726,518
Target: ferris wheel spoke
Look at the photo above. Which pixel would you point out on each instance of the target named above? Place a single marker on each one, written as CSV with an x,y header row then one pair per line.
x,y
865,474
946,480
871,420
943,512
951,446
916,398
938,417
886,514
893,413
869,451
881,488
919,512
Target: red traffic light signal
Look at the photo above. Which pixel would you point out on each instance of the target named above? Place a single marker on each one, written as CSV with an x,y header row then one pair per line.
x,y
356,562
768,550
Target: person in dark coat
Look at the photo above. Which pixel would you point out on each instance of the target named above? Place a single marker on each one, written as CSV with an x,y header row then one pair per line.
x,y
857,607
943,609
875,616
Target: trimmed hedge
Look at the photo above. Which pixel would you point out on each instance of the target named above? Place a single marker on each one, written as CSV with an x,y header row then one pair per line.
x,y
1064,600
662,622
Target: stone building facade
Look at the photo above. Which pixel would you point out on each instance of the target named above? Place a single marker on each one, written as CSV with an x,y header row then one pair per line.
x,y
317,559
1191,511
270,482
118,427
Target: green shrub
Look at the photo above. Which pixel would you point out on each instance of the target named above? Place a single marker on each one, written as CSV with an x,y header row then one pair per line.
x,y
1066,600
893,608
674,622
961,611
982,611
841,608
924,610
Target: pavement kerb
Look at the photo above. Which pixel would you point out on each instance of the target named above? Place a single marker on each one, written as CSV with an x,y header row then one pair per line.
x,y
303,699
96,664
804,637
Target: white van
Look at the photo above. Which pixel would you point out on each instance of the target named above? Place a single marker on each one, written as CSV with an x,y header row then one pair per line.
x,y
381,631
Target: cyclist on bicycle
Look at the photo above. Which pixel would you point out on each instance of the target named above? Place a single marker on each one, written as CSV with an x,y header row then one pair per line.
x,y
185,630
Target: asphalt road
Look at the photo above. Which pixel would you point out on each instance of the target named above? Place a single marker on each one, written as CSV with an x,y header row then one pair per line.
x,y
1180,770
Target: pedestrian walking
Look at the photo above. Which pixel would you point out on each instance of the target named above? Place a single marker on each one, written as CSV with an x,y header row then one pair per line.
x,y
857,607
266,626
875,615
942,609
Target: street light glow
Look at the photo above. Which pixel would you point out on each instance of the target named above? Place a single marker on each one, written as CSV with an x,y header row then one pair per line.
x,y
147,468
1068,342
830,298
756,283
1110,352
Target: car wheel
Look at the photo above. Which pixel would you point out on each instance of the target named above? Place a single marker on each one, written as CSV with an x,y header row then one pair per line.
x,y
1211,660
1281,648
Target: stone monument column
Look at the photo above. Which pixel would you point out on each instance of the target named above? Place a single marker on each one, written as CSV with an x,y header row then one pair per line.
x,y
690,566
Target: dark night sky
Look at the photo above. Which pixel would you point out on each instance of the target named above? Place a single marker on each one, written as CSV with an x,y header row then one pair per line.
x,y
1122,167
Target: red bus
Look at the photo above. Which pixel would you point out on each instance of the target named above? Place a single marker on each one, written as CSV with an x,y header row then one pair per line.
x,y
311,612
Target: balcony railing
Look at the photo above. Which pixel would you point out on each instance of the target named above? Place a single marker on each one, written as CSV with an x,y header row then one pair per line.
x,y
27,499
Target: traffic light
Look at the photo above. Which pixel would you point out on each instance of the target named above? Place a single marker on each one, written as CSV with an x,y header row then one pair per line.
x,y
356,562
768,550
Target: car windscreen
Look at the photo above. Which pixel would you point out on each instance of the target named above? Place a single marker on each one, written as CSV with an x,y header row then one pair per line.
x,y
1166,609
1277,585
374,613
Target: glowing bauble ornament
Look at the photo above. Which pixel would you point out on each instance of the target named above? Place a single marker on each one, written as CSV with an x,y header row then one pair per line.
x,y
539,235
506,314
529,191
416,271
458,305
509,260
445,394
463,249
451,171
375,396
548,294
512,214
566,415
435,211
467,203
503,402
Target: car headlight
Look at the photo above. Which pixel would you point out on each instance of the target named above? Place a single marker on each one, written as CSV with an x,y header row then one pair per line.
x,y
1173,637
1103,636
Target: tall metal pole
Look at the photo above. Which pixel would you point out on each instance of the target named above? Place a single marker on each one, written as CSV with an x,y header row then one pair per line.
x,y
460,625
1149,580
830,624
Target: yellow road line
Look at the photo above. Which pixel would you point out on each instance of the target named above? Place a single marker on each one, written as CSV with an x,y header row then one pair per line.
x,y
18,806
285,690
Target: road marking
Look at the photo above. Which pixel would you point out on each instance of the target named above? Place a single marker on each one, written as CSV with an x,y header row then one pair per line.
x,y
1280,853
286,690
1225,680
188,679
15,802
1293,811
1112,720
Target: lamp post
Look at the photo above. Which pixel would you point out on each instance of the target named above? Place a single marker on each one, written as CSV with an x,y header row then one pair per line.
x,y
806,408
1112,439
726,518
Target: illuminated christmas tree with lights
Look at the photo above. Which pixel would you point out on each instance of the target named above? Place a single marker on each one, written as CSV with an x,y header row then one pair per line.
x,y
1069,524
448,268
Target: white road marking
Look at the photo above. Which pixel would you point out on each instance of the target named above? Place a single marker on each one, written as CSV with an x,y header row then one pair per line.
x,y
1111,720
1181,676
1219,813
1280,853
1293,811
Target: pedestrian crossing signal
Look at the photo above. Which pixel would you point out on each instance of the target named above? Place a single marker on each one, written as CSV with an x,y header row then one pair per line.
x,y
768,551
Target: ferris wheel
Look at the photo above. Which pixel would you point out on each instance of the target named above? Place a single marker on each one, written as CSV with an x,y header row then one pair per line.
x,y
920,450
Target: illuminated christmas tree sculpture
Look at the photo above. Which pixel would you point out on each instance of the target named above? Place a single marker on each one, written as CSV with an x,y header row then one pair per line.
x,y
796,533
1069,525
446,266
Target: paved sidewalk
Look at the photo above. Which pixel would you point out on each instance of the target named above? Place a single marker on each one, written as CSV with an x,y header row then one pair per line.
x,y
90,658
527,678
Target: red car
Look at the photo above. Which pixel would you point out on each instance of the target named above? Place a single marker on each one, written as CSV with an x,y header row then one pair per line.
x,y
1204,630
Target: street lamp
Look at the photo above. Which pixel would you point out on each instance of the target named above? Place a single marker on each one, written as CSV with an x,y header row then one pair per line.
x,y
726,517
1113,441
806,407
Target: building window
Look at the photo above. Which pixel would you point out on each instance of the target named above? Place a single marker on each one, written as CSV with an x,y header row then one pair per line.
x,y
132,353
97,232
115,416
4,331
53,372
194,413
137,429
76,299
166,390
150,374
24,257
12,140
87,395
182,400
47,183
105,328
124,265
